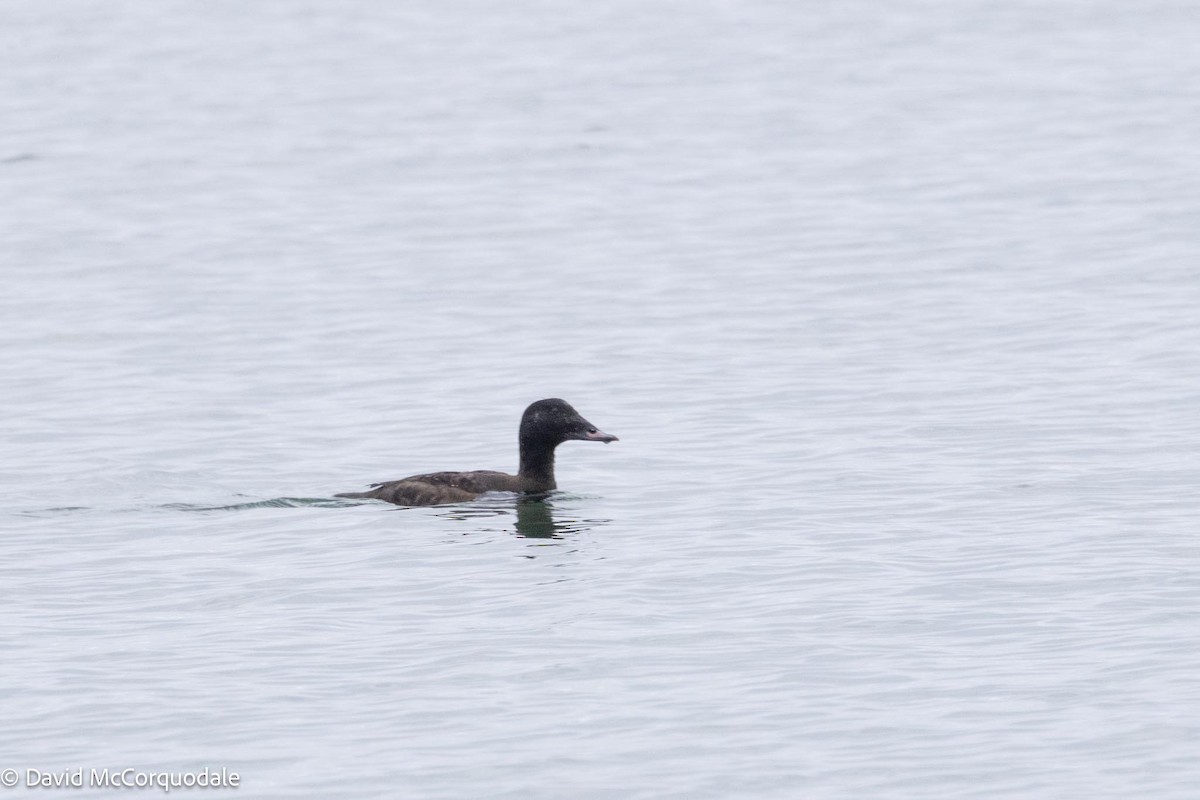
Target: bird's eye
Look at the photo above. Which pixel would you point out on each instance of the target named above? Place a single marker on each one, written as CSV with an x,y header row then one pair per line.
x,y
591,430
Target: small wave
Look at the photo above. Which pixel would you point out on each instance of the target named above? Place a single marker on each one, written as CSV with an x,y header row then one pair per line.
x,y
276,502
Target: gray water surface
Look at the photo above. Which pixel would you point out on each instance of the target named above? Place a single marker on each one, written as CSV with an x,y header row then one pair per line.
x,y
892,305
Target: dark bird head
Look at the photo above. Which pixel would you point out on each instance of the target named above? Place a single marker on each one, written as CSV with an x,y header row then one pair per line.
x,y
552,421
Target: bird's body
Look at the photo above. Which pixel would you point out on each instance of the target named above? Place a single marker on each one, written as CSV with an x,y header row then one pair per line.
x,y
544,426
439,488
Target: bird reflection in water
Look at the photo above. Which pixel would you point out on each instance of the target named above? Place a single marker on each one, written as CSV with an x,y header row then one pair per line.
x,y
536,515
538,518
535,519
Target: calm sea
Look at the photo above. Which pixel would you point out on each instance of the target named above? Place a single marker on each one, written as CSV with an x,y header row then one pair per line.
x,y
895,307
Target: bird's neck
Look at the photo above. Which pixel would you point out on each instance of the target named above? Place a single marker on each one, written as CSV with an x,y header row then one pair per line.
x,y
537,465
